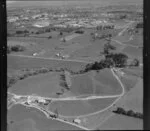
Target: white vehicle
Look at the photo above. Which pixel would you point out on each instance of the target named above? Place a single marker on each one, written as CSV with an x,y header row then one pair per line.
x,y
35,54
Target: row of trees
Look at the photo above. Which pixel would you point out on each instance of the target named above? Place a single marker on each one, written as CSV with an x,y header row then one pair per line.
x,y
63,82
128,113
79,31
26,73
104,27
18,32
139,25
101,36
31,72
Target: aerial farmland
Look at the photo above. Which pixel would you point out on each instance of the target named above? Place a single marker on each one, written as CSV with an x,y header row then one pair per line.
x,y
74,65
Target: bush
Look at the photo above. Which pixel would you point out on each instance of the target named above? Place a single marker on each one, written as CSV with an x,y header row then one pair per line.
x,y
8,49
19,32
60,33
128,113
47,30
139,25
64,84
135,62
79,31
119,59
49,37
15,48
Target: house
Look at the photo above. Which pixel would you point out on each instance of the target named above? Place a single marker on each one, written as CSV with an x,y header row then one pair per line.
x,y
12,19
41,24
77,121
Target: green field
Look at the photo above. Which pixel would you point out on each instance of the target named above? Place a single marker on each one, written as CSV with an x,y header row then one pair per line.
x,y
106,83
45,85
81,85
79,107
21,118
119,122
16,63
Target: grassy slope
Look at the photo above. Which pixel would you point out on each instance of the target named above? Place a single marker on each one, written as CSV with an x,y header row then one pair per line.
x,y
16,63
19,113
120,122
76,108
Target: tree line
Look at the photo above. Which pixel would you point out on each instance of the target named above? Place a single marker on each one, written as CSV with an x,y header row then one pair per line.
x,y
130,113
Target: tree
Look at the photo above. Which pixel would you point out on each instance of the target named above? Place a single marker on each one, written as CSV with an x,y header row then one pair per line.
x,y
130,113
26,31
17,48
63,40
19,32
8,49
120,60
47,30
50,37
60,33
139,25
135,62
79,31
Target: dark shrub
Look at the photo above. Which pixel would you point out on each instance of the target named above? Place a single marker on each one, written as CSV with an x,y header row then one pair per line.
x,y
17,48
119,59
135,62
49,37
79,31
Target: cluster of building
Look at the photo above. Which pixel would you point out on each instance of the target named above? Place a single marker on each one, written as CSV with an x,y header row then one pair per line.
x,y
61,20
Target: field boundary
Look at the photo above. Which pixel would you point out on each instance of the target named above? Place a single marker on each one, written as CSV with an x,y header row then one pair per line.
x,y
35,57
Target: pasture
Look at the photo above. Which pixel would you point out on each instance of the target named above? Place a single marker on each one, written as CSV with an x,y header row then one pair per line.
x,y
18,63
133,52
133,100
106,83
80,107
45,85
20,118
81,85
120,122
129,81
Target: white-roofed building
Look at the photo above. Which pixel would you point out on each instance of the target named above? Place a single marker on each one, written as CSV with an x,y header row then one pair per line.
x,y
41,24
